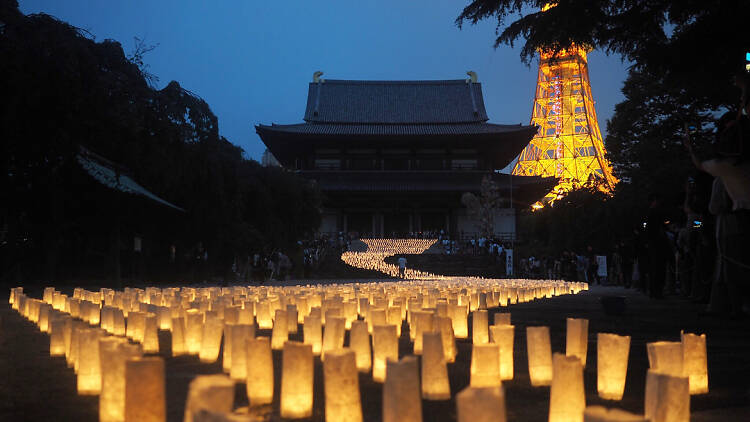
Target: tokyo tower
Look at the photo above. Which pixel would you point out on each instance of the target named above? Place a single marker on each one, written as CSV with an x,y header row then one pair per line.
x,y
569,144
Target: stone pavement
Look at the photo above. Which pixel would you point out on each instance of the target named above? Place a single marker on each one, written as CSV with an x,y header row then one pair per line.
x,y
36,387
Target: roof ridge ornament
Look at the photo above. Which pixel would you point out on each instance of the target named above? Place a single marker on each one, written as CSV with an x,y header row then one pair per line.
x,y
316,77
472,77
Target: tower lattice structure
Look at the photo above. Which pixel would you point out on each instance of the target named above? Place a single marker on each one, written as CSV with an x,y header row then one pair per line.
x,y
569,144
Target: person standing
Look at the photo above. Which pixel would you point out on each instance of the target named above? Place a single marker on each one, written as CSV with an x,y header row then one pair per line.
x,y
402,266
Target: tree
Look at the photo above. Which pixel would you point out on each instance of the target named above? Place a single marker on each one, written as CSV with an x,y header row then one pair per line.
x,y
484,207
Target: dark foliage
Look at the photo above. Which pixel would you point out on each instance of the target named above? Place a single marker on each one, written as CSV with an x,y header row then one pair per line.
x,y
62,90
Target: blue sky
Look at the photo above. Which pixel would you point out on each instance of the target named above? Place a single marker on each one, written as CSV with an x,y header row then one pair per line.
x,y
252,60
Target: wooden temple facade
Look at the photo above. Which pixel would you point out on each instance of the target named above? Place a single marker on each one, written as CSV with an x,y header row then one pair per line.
x,y
394,157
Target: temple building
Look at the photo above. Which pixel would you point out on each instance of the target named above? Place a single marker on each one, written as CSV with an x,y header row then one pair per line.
x,y
393,157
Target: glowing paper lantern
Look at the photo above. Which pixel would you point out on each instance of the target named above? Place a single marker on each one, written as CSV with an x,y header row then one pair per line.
x,y
540,355
280,332
239,334
57,336
312,332
113,353
481,404
384,348
449,341
341,383
602,414
567,398
612,365
460,321
666,357
401,394
435,385
209,392
577,338
263,315
145,399
479,322
667,397
260,372
296,380
178,337
89,371
359,342
695,365
118,322
193,331
291,315
485,365
333,335
213,328
422,322
150,334
503,336
502,318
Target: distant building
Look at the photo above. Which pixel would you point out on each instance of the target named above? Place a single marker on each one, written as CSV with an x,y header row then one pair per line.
x,y
393,157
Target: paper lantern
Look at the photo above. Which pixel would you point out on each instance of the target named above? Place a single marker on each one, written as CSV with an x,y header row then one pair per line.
x,y
178,337
503,336
333,335
113,353
502,318
213,328
44,311
402,401
341,383
291,318
150,334
57,336
118,322
193,331
359,342
89,371
265,321
231,315
577,338
384,347
567,398
378,316
449,341
165,318
695,365
435,385
479,332
209,392
136,326
296,380
72,357
422,322
485,365
612,365
666,357
260,373
280,332
481,404
540,355
239,335
460,321
602,414
145,399
667,397
312,332
393,317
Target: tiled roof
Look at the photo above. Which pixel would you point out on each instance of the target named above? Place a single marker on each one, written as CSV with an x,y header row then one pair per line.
x,y
400,102
103,173
395,129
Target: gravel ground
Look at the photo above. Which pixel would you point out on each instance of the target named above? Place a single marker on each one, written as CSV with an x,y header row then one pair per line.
x,y
37,387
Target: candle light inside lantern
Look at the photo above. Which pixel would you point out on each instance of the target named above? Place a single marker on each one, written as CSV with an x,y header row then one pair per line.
x,y
695,365
312,332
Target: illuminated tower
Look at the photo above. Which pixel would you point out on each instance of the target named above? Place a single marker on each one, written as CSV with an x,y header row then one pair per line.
x,y
569,144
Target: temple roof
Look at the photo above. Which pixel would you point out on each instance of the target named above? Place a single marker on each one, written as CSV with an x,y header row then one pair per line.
x,y
395,102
